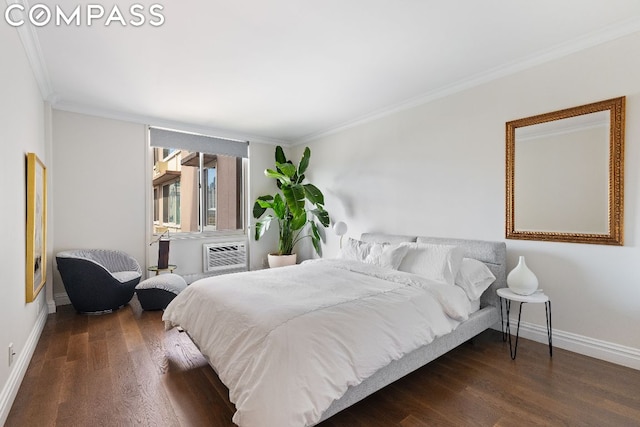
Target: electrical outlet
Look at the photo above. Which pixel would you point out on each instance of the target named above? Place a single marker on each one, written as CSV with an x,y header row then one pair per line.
x,y
12,354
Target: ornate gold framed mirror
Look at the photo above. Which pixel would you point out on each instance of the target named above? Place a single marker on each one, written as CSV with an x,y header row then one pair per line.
x,y
565,175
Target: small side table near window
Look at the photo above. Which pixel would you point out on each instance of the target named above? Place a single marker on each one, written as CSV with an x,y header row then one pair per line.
x,y
506,296
169,268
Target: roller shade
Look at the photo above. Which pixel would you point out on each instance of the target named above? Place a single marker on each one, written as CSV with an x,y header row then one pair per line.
x,y
197,143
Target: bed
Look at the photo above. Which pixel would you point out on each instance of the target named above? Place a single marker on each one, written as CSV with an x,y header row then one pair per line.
x,y
267,338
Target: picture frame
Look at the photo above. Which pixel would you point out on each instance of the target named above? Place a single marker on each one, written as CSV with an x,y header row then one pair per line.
x,y
36,233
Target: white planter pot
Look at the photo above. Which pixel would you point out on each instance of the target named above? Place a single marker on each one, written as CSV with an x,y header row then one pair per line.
x,y
276,260
521,280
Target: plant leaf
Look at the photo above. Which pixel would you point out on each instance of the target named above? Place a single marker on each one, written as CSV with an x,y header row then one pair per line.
x,y
315,238
262,226
277,175
297,222
314,230
322,215
258,210
280,157
261,205
279,207
314,195
304,162
295,196
287,169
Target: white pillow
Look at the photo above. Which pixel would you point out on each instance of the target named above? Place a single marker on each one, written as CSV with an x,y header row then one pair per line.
x,y
386,255
354,250
474,277
432,261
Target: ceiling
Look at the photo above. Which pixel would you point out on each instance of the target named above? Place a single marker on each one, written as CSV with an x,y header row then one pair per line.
x,y
287,71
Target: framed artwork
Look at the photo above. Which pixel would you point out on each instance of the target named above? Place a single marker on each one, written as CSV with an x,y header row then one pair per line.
x,y
36,266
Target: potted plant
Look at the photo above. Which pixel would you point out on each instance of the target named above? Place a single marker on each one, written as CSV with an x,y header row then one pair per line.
x,y
295,206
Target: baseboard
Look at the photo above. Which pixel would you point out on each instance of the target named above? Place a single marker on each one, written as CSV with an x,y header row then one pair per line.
x,y
61,299
603,350
12,386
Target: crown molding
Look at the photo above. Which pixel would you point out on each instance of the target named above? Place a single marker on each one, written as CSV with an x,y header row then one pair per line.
x,y
73,107
625,28
32,48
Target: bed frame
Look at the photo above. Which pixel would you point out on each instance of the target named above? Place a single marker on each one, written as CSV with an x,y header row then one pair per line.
x,y
493,254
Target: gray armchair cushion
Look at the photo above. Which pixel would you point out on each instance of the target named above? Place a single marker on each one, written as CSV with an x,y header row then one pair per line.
x,y
125,276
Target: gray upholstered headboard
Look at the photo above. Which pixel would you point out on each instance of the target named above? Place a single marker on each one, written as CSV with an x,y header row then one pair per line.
x,y
493,254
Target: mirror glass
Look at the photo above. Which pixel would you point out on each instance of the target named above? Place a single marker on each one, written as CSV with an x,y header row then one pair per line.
x,y
564,175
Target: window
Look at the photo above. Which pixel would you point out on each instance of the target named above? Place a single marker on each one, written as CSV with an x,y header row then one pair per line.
x,y
210,196
171,204
198,183
156,208
166,152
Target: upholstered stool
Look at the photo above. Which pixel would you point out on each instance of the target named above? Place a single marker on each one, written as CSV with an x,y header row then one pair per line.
x,y
156,292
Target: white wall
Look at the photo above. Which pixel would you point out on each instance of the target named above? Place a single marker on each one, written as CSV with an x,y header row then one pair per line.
x,y
22,130
99,191
262,156
439,169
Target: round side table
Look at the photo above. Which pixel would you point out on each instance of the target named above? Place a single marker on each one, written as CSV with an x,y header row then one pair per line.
x,y
169,268
506,296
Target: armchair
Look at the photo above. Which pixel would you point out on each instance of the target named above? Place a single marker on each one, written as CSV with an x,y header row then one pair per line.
x,y
98,280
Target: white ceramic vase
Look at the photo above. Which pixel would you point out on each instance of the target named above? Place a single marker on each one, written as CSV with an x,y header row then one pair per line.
x,y
521,280
276,260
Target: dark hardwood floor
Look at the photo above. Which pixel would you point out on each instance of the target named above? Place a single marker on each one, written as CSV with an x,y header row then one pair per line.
x,y
124,369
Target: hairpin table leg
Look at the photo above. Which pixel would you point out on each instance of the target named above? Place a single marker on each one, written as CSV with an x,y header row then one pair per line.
x,y
506,296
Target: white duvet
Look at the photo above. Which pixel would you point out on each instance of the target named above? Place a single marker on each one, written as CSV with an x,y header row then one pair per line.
x,y
287,342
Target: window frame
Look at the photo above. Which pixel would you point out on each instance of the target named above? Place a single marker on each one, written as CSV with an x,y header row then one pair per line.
x,y
204,196
202,233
